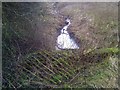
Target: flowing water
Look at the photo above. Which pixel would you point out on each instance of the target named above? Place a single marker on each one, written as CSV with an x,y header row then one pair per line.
x,y
64,41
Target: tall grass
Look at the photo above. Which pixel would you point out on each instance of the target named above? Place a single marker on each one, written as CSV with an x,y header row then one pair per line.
x,y
66,69
25,66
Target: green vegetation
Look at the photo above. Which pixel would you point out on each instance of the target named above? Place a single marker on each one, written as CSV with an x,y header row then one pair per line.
x,y
47,69
29,58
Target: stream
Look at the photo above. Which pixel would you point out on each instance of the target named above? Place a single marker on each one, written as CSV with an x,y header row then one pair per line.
x,y
64,41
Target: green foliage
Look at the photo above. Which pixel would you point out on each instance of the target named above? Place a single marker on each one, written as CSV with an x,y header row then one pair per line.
x,y
47,69
25,66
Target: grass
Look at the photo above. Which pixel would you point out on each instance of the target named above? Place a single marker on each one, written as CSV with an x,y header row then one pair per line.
x,y
25,65
53,72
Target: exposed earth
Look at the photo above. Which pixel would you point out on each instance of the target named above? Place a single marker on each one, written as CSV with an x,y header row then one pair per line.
x,y
93,24
29,37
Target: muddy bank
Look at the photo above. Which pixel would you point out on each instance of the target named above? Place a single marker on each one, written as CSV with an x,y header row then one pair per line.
x,y
93,24
29,35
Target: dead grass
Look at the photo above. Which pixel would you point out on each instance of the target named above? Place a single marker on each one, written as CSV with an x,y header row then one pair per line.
x,y
94,65
67,69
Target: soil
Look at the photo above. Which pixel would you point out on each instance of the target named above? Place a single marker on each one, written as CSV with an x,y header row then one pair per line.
x,y
91,23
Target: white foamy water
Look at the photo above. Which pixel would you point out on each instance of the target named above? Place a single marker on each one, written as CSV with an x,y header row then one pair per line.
x,y
64,41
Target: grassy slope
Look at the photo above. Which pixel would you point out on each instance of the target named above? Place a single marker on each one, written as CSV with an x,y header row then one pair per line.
x,y
95,69
27,66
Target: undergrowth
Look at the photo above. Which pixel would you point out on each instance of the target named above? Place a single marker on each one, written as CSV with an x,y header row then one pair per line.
x,y
25,65
66,69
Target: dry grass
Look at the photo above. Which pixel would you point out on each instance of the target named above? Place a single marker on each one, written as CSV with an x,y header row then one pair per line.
x,y
68,69
29,39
